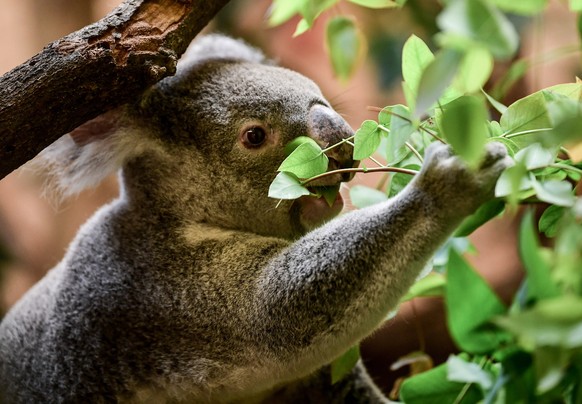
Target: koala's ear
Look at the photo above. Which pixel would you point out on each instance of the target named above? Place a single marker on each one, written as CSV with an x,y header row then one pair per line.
x,y
220,47
84,157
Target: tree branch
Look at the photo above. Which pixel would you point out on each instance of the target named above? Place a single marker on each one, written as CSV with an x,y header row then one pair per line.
x,y
93,70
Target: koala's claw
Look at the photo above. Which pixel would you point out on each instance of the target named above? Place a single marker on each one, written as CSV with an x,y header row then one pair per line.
x,y
495,152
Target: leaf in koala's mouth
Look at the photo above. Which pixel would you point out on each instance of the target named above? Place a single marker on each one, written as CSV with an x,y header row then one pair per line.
x,y
329,193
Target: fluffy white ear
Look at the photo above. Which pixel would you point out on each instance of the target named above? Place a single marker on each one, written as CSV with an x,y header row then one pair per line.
x,y
84,157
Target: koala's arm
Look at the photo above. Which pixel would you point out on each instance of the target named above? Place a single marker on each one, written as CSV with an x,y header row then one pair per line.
x,y
332,287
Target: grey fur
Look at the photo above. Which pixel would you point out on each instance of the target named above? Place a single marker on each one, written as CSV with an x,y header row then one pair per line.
x,y
192,286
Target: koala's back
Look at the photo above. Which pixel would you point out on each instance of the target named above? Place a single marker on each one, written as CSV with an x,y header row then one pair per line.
x,y
127,318
57,339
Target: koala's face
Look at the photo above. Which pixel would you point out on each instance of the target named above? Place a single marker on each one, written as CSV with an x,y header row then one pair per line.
x,y
236,118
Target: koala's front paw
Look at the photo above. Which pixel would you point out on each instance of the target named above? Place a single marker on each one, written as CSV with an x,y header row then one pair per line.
x,y
453,184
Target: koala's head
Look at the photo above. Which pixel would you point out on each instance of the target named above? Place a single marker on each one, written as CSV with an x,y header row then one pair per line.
x,y
205,144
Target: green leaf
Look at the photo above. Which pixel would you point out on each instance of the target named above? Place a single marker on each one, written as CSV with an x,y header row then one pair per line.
x,y
535,156
523,7
399,180
283,10
554,192
483,23
539,281
459,370
436,77
464,125
550,365
295,143
306,161
329,193
512,181
344,44
343,365
286,186
525,114
566,116
495,104
367,139
416,56
302,27
431,285
549,220
471,304
376,3
474,70
576,5
433,387
516,71
552,322
486,212
385,117
362,196
401,128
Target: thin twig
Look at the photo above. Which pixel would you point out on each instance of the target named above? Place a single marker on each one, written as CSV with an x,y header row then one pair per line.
x,y
361,170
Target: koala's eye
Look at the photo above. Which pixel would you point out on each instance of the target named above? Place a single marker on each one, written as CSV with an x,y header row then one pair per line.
x,y
254,137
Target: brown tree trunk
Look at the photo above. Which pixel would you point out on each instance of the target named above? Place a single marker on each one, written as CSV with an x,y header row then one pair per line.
x,y
95,69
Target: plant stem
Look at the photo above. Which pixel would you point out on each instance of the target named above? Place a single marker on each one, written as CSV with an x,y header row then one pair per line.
x,y
361,170
525,132
566,167
347,139
414,151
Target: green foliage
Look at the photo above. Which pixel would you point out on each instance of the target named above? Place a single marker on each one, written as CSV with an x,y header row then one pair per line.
x,y
467,136
344,364
532,350
471,304
344,43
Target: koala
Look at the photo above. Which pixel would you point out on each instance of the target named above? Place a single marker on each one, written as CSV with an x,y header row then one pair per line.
x,y
193,286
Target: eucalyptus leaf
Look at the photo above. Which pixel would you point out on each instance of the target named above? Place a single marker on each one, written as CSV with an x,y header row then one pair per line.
x,y
416,56
433,387
464,125
471,305
362,196
376,3
435,79
399,180
524,7
343,365
366,140
486,212
344,44
539,281
549,220
401,128
306,161
526,114
499,107
287,186
554,192
536,156
431,285
459,370
299,140
474,70
482,22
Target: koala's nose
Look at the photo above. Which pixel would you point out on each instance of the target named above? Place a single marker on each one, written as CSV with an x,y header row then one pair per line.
x,y
327,127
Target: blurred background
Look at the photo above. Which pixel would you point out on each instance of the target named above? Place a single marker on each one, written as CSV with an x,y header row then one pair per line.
x,y
34,233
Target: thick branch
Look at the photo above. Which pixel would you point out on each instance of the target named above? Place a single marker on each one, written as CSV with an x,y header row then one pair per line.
x,y
88,72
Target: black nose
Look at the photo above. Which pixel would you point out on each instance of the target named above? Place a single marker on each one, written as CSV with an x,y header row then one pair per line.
x,y
327,127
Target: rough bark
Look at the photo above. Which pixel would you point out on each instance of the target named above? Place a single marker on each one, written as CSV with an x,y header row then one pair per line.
x,y
95,69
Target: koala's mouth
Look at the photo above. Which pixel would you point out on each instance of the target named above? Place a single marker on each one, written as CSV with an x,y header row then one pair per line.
x,y
326,202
